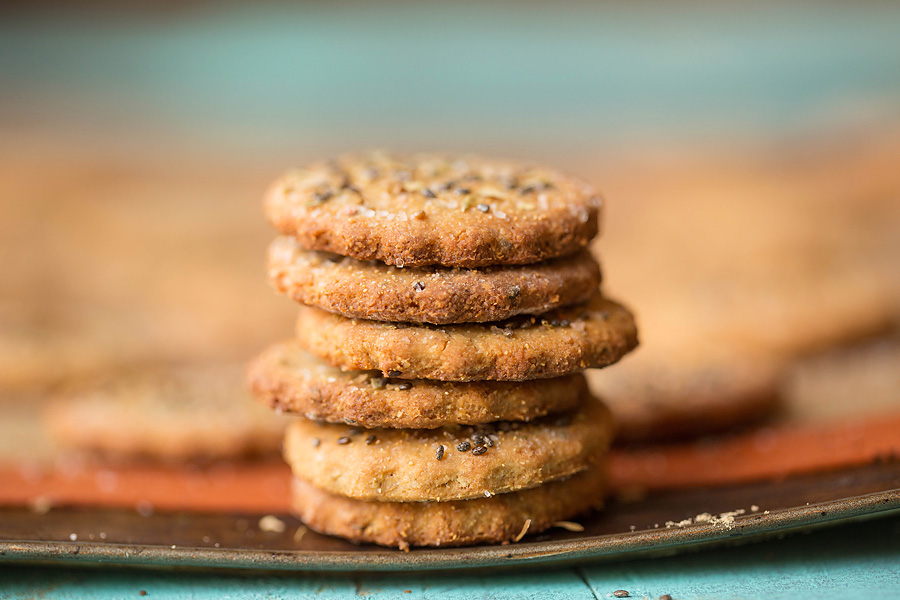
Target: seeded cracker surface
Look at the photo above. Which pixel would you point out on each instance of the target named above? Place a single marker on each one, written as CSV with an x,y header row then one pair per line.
x,y
557,343
373,290
426,209
290,379
407,465
486,520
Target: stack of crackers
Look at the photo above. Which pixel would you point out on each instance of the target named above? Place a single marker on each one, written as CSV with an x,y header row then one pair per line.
x,y
448,309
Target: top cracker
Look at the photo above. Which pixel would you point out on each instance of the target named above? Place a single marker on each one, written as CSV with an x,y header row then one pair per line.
x,y
426,209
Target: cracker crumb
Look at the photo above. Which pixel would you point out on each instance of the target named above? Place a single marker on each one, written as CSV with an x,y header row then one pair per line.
x,y
40,505
522,533
569,526
271,523
301,531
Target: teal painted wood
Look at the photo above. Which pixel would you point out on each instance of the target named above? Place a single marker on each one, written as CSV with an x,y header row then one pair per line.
x,y
849,562
854,561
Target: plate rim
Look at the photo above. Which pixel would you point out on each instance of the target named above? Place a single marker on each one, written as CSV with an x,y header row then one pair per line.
x,y
580,549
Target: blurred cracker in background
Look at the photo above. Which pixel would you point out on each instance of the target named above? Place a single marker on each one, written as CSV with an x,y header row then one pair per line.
x,y
192,413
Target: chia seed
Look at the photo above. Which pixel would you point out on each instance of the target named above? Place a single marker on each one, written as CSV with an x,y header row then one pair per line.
x,y
343,440
463,446
439,453
478,450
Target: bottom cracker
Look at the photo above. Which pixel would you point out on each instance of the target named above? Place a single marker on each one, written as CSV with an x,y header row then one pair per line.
x,y
501,518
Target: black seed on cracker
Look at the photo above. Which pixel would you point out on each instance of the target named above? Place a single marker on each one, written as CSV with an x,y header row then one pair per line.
x,y
428,193
483,207
461,191
478,450
316,442
621,593
371,439
405,385
419,286
463,446
343,440
394,373
439,453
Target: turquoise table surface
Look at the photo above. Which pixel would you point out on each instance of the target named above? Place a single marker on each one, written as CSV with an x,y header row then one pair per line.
x,y
855,560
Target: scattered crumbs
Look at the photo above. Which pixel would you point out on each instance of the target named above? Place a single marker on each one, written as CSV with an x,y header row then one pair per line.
x,y
665,597
301,531
73,536
631,528
621,593
173,546
205,539
569,526
142,593
765,512
726,519
754,508
216,544
407,591
684,523
271,523
522,533
102,535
